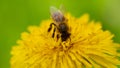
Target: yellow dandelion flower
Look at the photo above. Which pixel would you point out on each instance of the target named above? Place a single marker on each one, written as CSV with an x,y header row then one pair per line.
x,y
88,47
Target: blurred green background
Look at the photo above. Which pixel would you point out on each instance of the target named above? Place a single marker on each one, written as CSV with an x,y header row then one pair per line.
x,y
17,15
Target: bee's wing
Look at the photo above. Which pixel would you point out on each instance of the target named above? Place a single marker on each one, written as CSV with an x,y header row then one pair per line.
x,y
62,9
53,10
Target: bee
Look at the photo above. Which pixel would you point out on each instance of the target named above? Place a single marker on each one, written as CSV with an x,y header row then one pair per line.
x,y
60,23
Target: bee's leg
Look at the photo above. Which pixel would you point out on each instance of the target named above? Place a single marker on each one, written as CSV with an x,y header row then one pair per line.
x,y
53,33
70,39
49,29
58,37
69,36
63,37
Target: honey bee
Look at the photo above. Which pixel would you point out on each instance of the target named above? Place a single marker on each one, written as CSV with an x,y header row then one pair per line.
x,y
59,23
